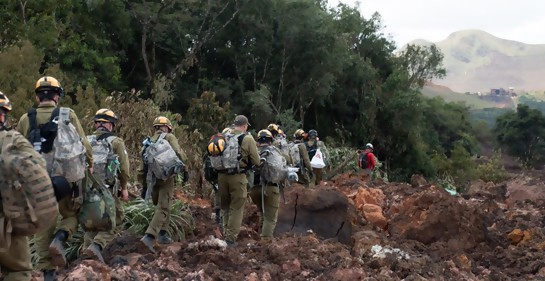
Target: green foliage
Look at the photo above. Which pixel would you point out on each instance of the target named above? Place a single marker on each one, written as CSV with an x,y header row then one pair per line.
x,y
493,170
138,215
522,134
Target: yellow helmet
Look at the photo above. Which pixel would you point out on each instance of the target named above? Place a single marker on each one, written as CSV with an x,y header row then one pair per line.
x,y
299,134
216,145
5,104
162,121
264,136
105,115
273,128
225,130
48,84
280,132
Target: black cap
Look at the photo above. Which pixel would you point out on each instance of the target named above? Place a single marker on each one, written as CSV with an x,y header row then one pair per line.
x,y
241,120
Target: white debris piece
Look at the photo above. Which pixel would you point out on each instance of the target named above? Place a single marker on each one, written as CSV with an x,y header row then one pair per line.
x,y
380,252
212,242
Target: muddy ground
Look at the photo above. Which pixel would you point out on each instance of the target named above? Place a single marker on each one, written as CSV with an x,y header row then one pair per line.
x,y
350,229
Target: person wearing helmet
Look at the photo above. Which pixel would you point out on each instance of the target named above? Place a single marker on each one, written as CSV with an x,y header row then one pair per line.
x,y
105,121
268,199
233,185
273,129
366,160
15,262
163,190
305,172
313,144
49,244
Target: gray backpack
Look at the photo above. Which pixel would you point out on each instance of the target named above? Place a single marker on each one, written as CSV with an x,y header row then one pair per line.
x,y
229,158
105,161
67,159
294,154
162,160
275,168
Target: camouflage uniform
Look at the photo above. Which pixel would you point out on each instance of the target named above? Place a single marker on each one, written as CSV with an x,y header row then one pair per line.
x,y
15,263
67,209
304,175
104,237
318,173
234,189
271,203
163,191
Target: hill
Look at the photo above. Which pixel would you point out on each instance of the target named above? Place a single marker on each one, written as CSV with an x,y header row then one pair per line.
x,y
478,61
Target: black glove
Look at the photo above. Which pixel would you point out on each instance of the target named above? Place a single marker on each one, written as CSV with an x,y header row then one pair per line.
x,y
186,176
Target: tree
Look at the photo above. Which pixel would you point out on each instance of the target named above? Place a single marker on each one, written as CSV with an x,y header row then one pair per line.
x,y
522,134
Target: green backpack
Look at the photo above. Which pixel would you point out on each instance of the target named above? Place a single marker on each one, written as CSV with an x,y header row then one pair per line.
x,y
97,212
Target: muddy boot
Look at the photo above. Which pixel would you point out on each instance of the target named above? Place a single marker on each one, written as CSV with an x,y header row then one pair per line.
x,y
230,243
50,275
163,238
56,248
219,219
94,250
149,241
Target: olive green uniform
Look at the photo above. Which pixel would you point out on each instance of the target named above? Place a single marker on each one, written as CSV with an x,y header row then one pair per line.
x,y
304,175
318,173
67,209
234,188
104,237
15,263
270,200
163,191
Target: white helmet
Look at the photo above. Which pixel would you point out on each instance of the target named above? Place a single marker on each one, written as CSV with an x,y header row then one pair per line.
x,y
369,146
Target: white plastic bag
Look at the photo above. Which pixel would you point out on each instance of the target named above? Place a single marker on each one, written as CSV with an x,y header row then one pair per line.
x,y
318,160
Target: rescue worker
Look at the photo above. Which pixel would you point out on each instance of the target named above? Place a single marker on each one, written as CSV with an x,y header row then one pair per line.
x,y
105,121
163,190
233,185
313,144
15,263
305,173
49,244
270,199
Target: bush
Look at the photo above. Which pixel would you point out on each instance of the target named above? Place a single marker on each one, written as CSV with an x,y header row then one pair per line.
x,y
493,170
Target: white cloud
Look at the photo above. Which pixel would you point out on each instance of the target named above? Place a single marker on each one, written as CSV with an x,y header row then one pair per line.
x,y
434,20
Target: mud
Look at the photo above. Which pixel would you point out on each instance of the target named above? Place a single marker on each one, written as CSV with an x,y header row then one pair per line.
x,y
351,229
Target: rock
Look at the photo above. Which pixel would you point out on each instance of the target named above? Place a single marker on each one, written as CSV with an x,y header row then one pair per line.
x,y
369,196
418,180
432,215
373,214
324,210
252,277
347,274
364,240
132,258
294,266
520,189
89,270
172,249
517,235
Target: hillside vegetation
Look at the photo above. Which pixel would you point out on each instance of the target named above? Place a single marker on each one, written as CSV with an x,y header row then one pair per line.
x,y
478,61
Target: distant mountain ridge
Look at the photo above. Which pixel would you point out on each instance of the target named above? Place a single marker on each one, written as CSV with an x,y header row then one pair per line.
x,y
478,61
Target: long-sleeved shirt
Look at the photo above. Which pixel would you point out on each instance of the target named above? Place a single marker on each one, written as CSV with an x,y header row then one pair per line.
x,y
118,146
43,114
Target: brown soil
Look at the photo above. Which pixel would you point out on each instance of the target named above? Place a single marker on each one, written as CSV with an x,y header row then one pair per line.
x,y
349,229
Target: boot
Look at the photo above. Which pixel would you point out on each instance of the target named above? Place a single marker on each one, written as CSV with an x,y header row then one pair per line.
x,y
163,238
94,250
50,275
219,218
149,241
56,248
230,243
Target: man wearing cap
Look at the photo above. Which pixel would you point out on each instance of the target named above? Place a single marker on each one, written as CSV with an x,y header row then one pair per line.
x,y
233,184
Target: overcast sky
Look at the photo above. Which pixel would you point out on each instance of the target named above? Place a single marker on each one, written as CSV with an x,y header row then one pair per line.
x,y
434,20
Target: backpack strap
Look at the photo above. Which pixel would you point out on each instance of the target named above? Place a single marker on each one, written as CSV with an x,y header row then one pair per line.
x,y
106,136
162,136
32,120
64,114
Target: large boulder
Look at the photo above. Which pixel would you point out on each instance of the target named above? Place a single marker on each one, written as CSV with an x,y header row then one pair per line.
x,y
325,211
433,215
